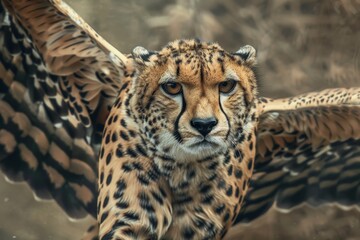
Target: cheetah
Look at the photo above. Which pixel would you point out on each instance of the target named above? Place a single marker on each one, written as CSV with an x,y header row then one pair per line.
x,y
179,144
188,148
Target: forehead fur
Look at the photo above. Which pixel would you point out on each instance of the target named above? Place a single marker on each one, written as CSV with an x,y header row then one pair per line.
x,y
196,63
192,50
184,46
196,60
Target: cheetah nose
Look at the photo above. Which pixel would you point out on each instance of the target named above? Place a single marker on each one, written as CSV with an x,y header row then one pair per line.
x,y
203,125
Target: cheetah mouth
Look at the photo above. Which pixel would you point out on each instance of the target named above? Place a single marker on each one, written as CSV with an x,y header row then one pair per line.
x,y
204,144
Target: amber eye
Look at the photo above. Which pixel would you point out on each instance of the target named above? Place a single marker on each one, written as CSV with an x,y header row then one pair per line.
x,y
227,86
171,88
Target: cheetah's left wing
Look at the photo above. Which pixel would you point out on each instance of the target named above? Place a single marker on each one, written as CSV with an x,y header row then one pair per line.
x,y
308,151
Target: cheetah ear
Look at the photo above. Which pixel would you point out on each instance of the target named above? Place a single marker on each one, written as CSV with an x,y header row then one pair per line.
x,y
248,54
141,56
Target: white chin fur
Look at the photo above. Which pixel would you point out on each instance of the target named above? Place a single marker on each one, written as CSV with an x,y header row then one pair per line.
x,y
187,152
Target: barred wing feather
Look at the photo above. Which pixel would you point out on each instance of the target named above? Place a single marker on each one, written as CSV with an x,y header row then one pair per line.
x,y
308,151
58,79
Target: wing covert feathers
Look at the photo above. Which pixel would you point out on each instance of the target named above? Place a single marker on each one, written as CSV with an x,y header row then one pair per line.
x,y
308,151
327,97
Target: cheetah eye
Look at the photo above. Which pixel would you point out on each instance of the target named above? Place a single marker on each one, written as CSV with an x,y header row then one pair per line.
x,y
227,86
171,88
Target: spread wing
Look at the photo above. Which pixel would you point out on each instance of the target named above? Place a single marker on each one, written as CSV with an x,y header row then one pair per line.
x,y
58,79
308,151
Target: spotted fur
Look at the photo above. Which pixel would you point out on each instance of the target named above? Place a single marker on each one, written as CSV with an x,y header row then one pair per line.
x,y
154,165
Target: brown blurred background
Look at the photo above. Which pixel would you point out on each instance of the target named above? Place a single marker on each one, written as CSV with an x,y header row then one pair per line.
x,y
303,45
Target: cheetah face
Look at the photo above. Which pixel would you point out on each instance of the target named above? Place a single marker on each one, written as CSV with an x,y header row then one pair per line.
x,y
193,97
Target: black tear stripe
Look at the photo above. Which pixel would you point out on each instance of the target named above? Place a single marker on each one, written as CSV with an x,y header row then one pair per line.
x,y
227,118
176,129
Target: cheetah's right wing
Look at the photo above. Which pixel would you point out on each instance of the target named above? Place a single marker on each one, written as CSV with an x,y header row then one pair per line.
x,y
58,79
308,151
